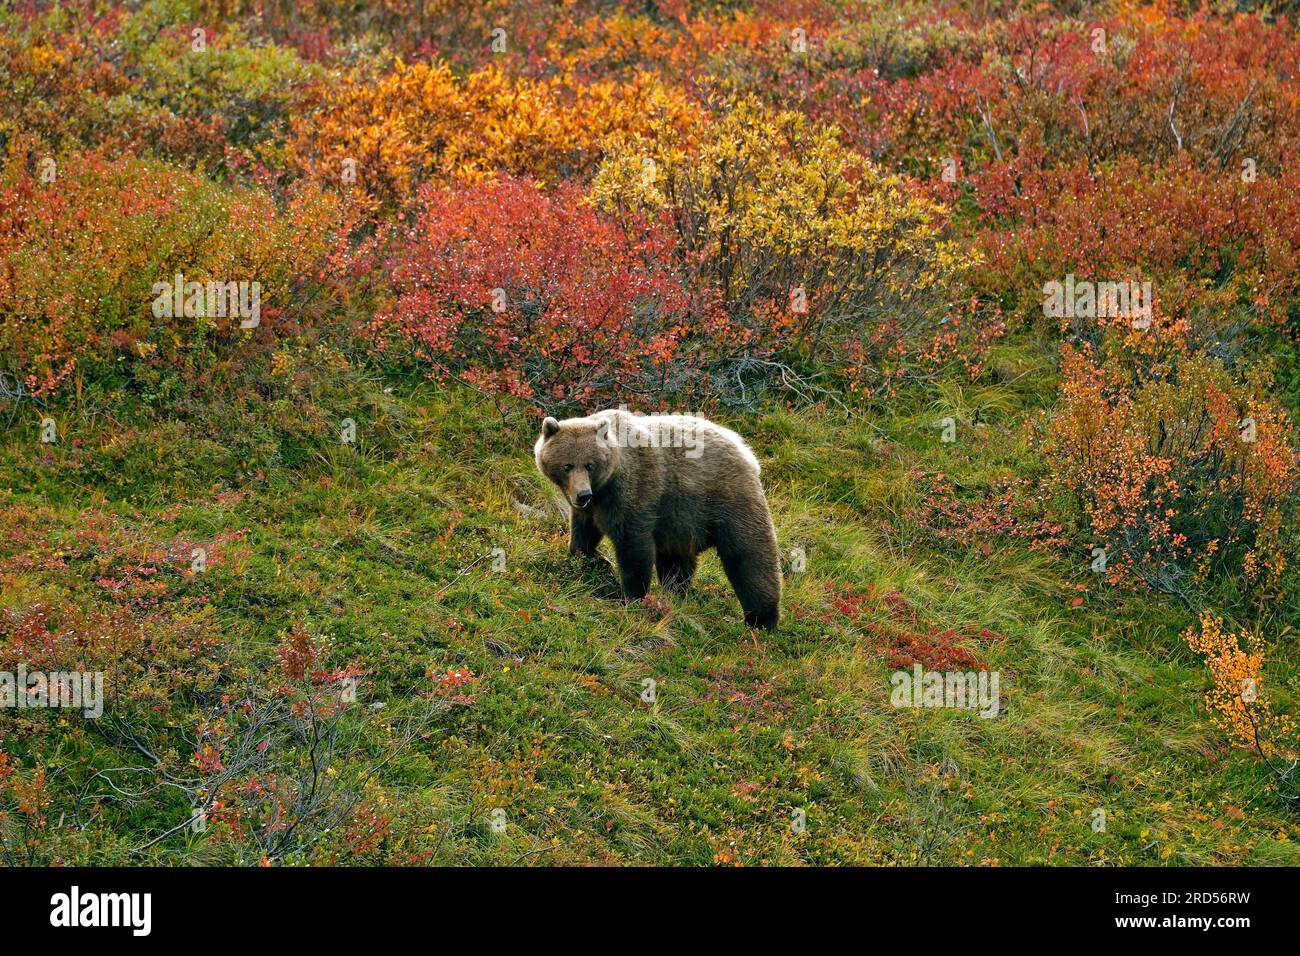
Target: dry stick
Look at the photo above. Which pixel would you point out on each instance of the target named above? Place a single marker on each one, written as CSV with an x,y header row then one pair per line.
x,y
1225,147
1173,105
1259,745
988,126
1087,134
460,574
180,826
523,856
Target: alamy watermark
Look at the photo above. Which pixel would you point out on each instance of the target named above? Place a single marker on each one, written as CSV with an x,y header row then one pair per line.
x,y
1093,300
70,690
75,909
970,690
192,300
658,431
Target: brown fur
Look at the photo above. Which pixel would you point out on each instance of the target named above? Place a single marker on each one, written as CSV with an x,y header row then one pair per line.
x,y
662,506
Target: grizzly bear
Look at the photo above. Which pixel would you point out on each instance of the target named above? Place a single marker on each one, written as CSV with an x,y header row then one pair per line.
x,y
664,488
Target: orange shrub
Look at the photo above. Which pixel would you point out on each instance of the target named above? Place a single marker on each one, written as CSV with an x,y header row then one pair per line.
x,y
1238,706
81,254
421,121
1179,477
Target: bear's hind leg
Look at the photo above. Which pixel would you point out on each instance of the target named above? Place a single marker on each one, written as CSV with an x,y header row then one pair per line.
x,y
748,551
766,618
676,571
758,599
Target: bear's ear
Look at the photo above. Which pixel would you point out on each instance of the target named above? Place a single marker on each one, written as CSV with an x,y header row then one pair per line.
x,y
550,427
602,430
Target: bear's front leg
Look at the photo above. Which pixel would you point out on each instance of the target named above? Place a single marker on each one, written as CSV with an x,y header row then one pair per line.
x,y
635,550
584,536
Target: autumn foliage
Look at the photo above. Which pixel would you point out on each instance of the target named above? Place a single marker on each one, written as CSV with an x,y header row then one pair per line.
x,y
1180,477
813,205
1238,702
538,296
85,237
682,204
801,253
421,121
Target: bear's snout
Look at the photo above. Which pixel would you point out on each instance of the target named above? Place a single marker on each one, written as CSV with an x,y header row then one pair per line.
x,y
584,498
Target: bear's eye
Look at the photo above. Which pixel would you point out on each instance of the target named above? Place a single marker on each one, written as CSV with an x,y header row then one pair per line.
x,y
588,466
568,468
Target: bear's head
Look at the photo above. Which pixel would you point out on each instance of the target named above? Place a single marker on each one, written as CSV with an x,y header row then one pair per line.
x,y
579,455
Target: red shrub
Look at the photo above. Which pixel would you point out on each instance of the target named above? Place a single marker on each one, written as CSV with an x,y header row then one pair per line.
x,y
1208,241
1013,510
901,635
512,290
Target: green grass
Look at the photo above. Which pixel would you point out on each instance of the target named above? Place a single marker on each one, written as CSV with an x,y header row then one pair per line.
x,y
386,549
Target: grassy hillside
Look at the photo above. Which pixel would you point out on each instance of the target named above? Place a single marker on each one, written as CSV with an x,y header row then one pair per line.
x,y
511,679
1004,295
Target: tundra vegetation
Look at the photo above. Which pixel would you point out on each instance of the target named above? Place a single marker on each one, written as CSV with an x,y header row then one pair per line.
x,y
304,543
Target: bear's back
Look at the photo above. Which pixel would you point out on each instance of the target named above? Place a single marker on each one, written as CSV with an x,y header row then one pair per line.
x,y
681,436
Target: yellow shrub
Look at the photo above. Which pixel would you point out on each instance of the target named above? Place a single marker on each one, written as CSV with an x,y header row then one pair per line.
x,y
1235,700
808,248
